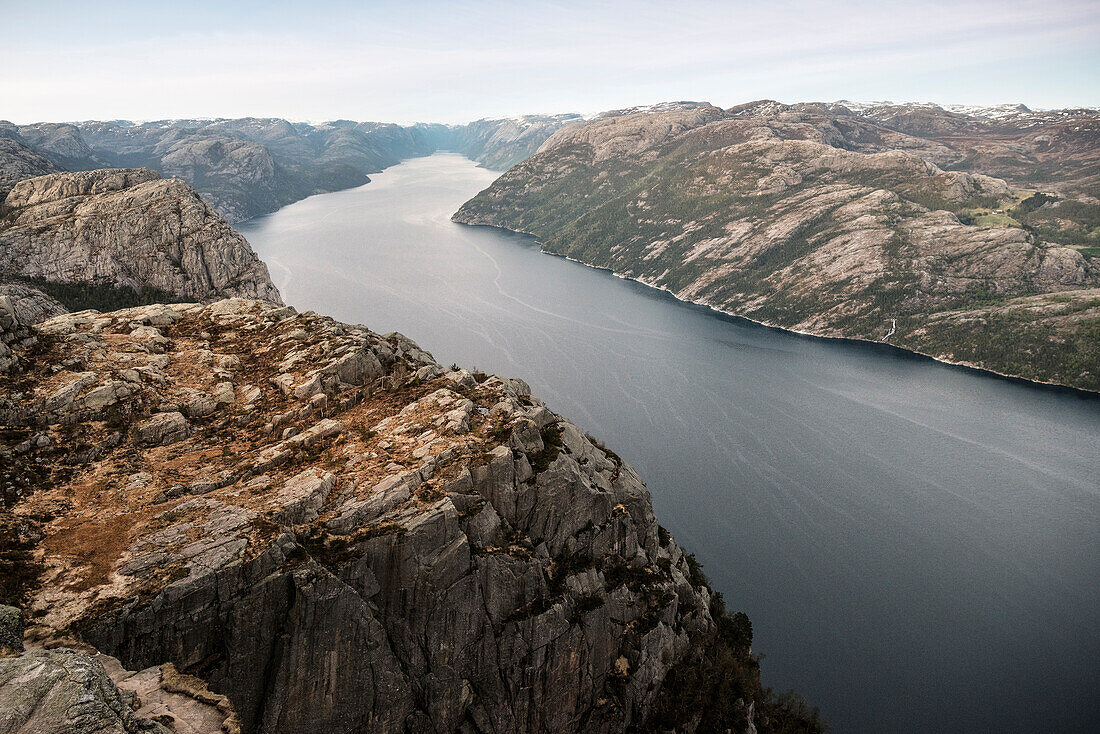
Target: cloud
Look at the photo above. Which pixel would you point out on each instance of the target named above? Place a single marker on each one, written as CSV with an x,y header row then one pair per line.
x,y
459,60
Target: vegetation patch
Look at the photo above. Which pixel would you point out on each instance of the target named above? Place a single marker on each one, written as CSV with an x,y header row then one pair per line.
x,y
101,296
551,447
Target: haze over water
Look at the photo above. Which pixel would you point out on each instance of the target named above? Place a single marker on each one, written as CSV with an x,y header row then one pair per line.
x,y
918,546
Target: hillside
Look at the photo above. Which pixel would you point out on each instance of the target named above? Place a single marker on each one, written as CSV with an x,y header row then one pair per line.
x,y
251,166
834,222
499,144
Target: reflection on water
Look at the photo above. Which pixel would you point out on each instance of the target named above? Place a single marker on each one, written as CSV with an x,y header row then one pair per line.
x,y
916,545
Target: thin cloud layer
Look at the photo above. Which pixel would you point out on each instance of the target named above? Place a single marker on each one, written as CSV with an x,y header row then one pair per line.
x,y
457,61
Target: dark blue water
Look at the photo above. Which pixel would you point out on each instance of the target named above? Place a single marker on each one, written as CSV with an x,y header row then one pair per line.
x,y
918,546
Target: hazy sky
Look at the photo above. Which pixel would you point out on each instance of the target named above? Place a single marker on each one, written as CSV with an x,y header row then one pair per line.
x,y
457,61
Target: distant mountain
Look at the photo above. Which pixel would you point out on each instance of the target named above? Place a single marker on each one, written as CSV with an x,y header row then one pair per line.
x,y
1052,150
970,238
251,166
61,143
501,143
18,162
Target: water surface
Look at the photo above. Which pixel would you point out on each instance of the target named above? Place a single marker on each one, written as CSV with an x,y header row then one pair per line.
x,y
918,546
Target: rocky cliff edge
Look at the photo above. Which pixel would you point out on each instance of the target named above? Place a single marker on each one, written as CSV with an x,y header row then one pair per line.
x,y
339,534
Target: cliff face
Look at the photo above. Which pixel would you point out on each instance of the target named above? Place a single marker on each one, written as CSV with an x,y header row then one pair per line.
x,y
815,218
126,227
341,535
56,685
18,162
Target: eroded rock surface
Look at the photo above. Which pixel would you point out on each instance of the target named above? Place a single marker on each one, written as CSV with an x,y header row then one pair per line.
x,y
29,304
338,534
54,684
127,227
18,162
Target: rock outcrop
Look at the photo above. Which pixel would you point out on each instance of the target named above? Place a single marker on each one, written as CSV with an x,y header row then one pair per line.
x,y
28,304
15,336
18,162
128,228
340,535
818,219
57,685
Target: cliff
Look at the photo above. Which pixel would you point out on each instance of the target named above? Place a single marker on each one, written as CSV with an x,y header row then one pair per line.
x,y
341,535
126,228
18,162
815,218
499,144
55,685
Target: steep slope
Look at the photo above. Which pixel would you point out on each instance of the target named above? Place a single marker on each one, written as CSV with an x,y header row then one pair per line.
x,y
813,218
341,535
250,166
52,685
126,228
18,162
59,142
499,144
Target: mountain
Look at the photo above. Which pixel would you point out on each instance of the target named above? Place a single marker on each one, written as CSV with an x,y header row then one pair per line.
x,y
498,144
338,534
877,224
1053,150
61,143
250,166
18,162
253,166
94,233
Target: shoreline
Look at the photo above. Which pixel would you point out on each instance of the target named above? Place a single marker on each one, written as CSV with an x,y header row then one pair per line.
x,y
867,343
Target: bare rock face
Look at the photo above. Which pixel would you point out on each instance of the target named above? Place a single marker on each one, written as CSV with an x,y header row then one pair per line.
x,y
54,684
28,304
127,227
15,336
63,691
344,537
18,162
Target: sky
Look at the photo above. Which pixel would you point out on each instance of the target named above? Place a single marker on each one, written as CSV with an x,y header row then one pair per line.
x,y
458,61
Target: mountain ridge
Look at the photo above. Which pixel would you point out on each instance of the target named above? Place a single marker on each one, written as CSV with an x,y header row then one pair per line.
x,y
250,166
818,220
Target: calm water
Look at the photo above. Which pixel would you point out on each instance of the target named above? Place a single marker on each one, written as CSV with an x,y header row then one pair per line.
x,y
918,546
